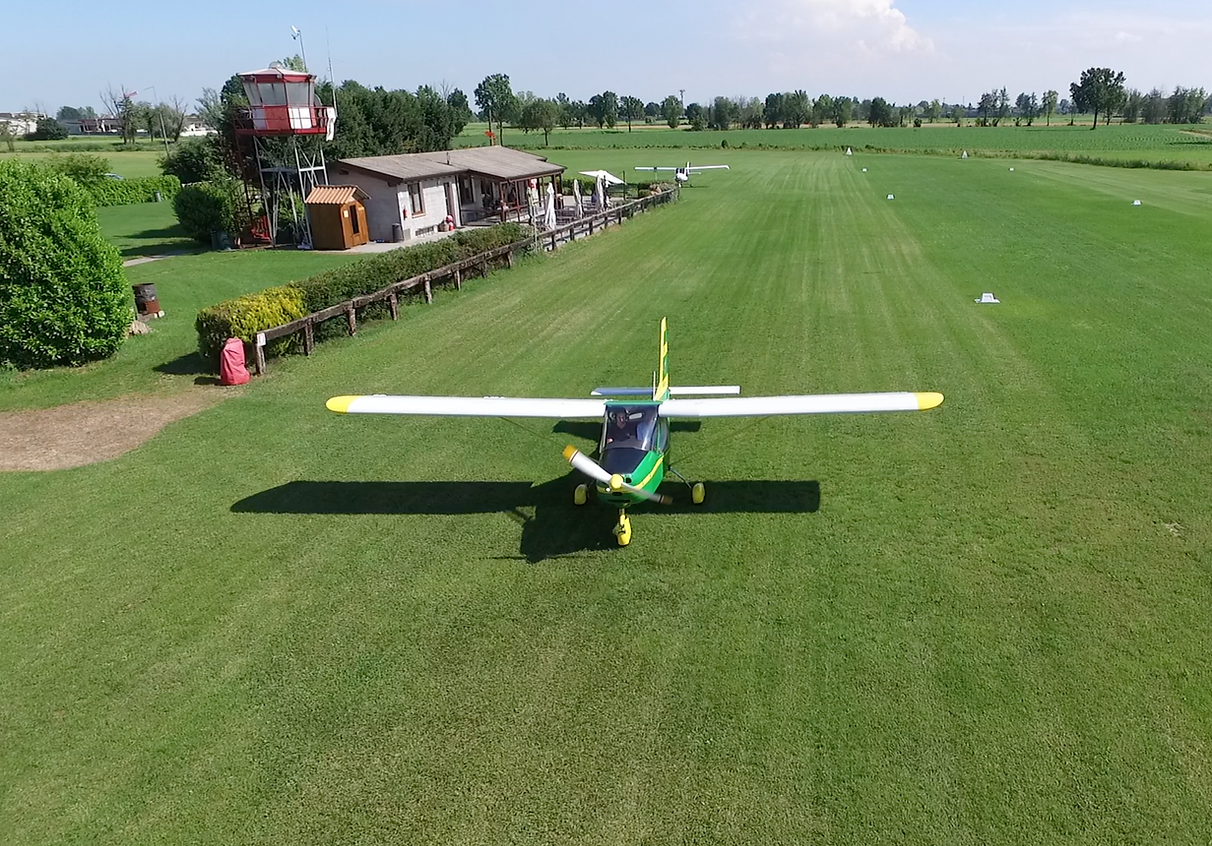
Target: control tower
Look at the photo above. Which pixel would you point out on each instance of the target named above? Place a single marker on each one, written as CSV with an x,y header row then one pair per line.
x,y
288,126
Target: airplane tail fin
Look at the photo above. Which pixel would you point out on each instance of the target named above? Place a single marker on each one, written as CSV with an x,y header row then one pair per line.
x,y
660,391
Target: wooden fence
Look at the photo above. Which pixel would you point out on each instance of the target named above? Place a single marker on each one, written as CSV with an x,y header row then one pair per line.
x,y
478,264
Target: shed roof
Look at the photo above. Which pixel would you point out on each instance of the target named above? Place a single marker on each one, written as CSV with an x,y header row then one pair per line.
x,y
494,162
335,195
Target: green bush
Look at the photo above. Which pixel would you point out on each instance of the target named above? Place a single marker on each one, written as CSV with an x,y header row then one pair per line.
x,y
125,192
245,316
192,160
208,206
82,167
64,298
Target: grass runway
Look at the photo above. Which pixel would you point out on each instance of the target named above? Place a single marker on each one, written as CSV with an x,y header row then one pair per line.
x,y
987,623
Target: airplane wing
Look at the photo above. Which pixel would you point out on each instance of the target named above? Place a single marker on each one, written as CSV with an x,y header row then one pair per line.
x,y
813,404
559,409
656,168
707,167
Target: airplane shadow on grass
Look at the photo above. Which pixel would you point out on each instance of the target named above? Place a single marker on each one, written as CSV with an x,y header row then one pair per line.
x,y
551,525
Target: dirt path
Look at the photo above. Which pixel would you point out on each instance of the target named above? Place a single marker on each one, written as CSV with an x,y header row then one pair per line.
x,y
87,432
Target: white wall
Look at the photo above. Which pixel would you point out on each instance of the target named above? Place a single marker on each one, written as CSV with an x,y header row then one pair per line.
x,y
381,209
434,199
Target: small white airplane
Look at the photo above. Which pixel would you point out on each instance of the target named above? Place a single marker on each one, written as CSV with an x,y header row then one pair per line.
x,y
683,174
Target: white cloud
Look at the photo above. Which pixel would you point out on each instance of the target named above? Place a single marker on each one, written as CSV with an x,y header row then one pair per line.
x,y
871,26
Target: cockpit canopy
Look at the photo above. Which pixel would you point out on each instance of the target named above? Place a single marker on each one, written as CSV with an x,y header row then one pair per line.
x,y
630,427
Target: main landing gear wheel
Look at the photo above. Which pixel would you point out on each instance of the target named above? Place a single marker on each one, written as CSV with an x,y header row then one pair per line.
x,y
697,492
580,495
622,529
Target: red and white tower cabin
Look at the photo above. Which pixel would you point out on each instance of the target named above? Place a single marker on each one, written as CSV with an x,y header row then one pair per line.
x,y
283,102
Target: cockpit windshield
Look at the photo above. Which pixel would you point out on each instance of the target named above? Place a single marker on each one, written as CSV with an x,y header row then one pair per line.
x,y
630,426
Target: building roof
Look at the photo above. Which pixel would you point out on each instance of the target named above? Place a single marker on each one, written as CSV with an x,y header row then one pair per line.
x,y
405,167
494,162
498,162
335,195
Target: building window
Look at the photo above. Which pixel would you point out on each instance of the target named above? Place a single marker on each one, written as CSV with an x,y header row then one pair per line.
x,y
417,197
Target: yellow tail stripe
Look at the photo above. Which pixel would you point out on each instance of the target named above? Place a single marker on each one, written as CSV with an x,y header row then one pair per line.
x,y
662,387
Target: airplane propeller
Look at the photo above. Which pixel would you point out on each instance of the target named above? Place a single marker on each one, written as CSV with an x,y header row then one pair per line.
x,y
614,482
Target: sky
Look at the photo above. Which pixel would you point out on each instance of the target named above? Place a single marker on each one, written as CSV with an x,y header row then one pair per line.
x,y
58,52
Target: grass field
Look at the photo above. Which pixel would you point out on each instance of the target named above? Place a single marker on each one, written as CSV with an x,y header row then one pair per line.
x,y
126,163
983,624
1151,144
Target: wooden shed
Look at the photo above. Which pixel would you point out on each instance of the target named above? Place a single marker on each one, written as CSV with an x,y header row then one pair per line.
x,y
338,216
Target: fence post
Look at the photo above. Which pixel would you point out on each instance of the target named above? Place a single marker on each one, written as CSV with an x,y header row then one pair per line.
x,y
458,276
351,317
259,358
428,290
393,302
309,338
509,258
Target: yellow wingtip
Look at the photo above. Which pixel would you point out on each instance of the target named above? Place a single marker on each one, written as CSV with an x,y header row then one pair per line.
x,y
339,404
569,452
928,399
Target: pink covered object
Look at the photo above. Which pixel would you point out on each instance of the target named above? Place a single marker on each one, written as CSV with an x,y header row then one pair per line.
x,y
231,363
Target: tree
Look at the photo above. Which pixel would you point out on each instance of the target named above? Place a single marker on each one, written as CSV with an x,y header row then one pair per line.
x,y
64,299
1026,107
880,112
652,111
494,95
540,114
723,113
122,106
631,108
1153,106
460,110
958,113
797,108
773,110
822,109
1049,105
67,113
696,116
671,110
1187,105
604,109
1132,106
48,129
842,108
6,135
1099,90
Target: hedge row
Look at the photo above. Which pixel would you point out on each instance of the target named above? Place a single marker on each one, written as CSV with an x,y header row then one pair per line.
x,y
245,316
125,192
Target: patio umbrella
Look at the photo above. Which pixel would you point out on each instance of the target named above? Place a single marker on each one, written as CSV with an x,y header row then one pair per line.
x,y
576,191
549,217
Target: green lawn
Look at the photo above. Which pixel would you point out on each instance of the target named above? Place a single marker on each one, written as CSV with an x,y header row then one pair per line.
x,y
144,229
987,623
